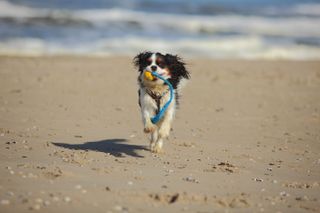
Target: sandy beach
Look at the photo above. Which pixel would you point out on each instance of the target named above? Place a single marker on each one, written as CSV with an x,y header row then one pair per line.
x,y
246,138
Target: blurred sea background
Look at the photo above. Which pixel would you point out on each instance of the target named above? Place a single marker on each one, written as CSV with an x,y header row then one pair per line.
x,y
249,29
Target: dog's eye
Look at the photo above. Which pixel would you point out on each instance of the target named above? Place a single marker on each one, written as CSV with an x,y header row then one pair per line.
x,y
161,64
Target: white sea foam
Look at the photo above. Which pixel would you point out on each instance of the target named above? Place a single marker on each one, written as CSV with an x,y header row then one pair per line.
x,y
307,9
234,47
8,9
304,9
285,26
281,26
238,47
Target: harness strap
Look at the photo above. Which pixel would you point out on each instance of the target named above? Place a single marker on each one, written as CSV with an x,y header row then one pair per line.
x,y
156,97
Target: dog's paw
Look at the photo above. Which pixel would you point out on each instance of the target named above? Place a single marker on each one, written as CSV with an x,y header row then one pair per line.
x,y
148,128
156,148
164,132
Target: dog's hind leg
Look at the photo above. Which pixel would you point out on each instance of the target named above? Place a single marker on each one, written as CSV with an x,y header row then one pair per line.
x,y
164,127
158,146
153,140
156,142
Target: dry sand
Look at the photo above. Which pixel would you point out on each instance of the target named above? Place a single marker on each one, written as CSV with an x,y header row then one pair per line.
x,y
245,139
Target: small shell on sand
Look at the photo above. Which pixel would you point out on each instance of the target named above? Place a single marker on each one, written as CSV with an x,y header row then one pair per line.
x,y
258,179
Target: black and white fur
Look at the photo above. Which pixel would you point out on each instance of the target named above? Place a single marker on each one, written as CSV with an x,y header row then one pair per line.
x,y
153,94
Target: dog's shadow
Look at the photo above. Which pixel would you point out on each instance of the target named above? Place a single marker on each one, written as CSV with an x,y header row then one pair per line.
x,y
115,147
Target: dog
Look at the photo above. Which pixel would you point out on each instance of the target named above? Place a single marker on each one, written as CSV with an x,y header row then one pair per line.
x,y
154,93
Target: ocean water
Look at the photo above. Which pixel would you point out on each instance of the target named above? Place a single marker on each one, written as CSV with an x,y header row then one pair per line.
x,y
249,29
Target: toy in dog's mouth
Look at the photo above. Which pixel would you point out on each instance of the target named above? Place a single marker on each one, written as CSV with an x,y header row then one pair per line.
x,y
148,76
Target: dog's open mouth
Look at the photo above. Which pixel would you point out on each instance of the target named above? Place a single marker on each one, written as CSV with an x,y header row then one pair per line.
x,y
148,75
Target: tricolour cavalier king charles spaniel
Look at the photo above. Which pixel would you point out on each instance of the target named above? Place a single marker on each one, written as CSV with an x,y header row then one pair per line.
x,y
154,93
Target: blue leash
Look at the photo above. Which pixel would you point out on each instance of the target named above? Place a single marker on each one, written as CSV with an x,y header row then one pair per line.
x,y
158,116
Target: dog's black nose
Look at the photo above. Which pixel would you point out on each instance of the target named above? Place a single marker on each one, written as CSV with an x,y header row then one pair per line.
x,y
153,68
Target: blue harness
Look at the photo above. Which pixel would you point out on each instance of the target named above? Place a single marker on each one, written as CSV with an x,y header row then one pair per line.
x,y
161,112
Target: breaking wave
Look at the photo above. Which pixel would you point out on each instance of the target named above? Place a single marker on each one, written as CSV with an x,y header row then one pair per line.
x,y
29,30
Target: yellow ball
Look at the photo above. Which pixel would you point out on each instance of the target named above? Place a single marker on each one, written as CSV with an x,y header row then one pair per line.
x,y
148,76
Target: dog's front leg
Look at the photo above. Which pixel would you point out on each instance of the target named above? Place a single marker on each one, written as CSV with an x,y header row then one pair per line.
x,y
147,107
149,127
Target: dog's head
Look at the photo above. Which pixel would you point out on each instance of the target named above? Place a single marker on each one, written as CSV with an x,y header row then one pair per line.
x,y
170,67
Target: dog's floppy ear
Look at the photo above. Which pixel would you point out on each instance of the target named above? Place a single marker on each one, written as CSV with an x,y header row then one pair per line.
x,y
140,60
177,66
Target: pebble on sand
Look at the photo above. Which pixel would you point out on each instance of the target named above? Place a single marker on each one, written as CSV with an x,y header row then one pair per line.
x,y
5,202
67,199
38,200
55,198
10,193
78,187
284,194
120,208
117,208
191,179
36,207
